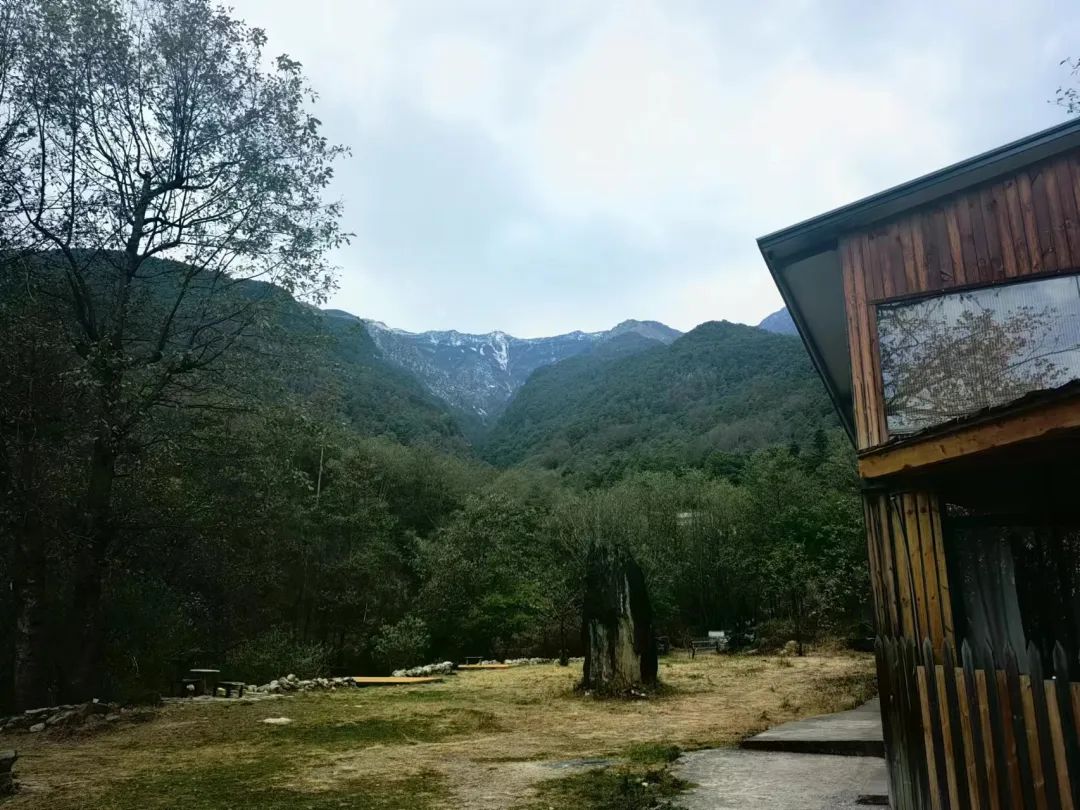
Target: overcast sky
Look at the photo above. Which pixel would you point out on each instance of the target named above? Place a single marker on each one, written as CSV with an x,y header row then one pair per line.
x,y
539,167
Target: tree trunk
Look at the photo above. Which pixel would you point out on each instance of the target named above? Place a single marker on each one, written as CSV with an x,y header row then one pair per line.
x,y
620,647
31,683
87,618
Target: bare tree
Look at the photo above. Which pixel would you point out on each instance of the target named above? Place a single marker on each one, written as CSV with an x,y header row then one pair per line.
x,y
163,168
1066,96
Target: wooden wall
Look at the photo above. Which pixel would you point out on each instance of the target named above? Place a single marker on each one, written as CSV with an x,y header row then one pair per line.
x,y
1018,225
979,733
907,567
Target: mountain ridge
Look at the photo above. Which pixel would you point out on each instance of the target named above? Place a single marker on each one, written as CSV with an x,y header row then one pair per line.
x,y
779,322
478,374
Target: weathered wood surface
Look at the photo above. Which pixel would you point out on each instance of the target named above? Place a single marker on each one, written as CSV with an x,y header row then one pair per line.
x,y
992,733
968,441
1019,225
907,566
373,680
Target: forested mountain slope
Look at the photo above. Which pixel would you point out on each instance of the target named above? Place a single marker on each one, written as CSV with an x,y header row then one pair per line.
x,y
283,347
476,375
377,398
722,388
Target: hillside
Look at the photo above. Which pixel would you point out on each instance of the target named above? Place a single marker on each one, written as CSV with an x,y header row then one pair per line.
x,y
377,398
324,358
721,388
476,375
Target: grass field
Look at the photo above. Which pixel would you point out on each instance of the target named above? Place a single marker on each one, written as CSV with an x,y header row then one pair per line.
x,y
495,739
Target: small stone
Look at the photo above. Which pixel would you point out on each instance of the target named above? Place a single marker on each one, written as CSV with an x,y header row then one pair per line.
x,y
60,717
112,718
277,721
34,729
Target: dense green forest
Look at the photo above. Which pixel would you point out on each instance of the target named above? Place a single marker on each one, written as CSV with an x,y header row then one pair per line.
x,y
718,391
196,460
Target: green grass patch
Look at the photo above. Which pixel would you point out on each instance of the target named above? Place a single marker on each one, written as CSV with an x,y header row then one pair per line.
x,y
386,730
409,695
611,789
360,733
651,753
259,785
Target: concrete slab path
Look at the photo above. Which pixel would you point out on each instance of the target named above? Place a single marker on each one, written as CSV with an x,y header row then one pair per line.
x,y
853,733
729,778
830,762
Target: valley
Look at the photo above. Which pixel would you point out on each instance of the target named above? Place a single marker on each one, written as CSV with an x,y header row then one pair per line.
x,y
590,405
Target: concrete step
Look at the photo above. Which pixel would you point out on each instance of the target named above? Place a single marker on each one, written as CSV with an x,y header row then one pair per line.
x,y
852,733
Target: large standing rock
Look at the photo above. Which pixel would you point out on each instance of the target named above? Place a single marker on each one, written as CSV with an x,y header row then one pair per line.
x,y
620,648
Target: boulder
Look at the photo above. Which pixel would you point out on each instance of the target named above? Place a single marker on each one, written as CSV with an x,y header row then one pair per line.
x,y
34,729
617,632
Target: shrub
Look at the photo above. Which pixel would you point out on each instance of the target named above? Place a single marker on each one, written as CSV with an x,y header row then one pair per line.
x,y
275,653
403,644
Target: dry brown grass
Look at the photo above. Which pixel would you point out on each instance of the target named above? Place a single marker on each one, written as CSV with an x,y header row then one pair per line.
x,y
480,739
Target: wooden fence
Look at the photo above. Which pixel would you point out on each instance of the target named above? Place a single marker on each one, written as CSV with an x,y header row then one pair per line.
x,y
987,732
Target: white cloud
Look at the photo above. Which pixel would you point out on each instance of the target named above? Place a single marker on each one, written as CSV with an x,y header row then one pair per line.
x,y
628,152
628,126
649,124
460,79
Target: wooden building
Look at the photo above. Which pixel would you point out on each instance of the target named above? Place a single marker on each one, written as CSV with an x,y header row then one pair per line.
x,y
944,317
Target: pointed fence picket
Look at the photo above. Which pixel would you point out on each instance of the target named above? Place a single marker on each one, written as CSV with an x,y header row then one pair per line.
x,y
990,732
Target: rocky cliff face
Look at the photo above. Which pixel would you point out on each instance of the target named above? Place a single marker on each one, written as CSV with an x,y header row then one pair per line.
x,y
478,374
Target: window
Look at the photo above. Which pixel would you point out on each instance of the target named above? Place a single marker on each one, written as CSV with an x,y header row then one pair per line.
x,y
952,355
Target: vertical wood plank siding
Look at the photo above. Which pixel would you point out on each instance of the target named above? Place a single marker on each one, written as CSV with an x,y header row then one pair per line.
x,y
907,566
1015,226
971,734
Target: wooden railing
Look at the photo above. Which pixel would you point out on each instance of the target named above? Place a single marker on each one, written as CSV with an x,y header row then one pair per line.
x,y
988,732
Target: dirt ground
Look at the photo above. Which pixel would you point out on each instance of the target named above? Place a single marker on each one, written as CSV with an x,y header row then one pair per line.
x,y
478,739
